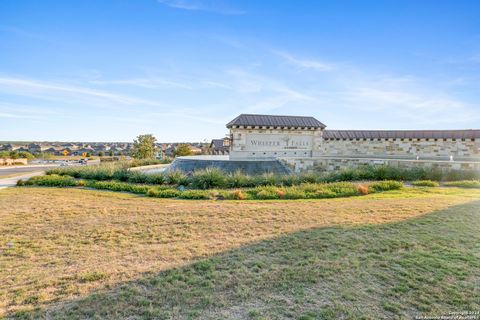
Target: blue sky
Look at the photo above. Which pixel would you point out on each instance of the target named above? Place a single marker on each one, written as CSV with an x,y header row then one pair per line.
x,y
181,69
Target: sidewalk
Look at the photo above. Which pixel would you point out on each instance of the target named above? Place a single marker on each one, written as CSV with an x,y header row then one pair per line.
x,y
12,181
29,166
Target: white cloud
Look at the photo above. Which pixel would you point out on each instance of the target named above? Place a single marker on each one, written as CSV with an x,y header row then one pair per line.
x,y
244,81
45,89
219,7
305,63
7,115
258,93
407,100
11,115
151,83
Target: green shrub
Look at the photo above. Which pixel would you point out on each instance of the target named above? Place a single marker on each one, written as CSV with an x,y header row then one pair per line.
x,y
329,190
349,175
122,174
147,162
321,193
463,184
53,180
294,193
177,178
155,178
264,193
194,194
137,177
208,178
425,183
118,186
342,189
152,192
288,180
385,185
266,179
163,193
105,171
384,172
239,180
460,175
308,177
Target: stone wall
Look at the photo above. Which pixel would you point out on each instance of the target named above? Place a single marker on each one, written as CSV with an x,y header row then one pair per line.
x,y
258,143
303,148
332,163
9,162
274,143
190,164
466,149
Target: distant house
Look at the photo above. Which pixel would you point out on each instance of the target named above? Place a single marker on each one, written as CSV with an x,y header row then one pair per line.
x,y
170,151
34,148
117,150
22,149
219,146
68,145
99,148
6,147
159,154
81,151
50,150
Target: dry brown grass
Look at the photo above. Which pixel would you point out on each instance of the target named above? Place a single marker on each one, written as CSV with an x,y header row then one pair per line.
x,y
60,244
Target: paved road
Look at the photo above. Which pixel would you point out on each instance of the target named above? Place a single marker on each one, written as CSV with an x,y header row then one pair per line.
x,y
25,172
23,169
10,182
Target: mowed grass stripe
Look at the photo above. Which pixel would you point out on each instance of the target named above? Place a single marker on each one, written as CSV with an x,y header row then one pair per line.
x,y
386,254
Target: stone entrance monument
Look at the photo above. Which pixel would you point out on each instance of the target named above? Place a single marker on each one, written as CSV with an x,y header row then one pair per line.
x,y
282,144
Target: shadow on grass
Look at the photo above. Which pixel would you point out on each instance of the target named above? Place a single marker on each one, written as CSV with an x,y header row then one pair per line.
x,y
429,264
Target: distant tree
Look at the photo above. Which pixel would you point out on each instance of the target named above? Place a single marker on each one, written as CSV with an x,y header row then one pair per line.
x,y
16,155
183,150
44,156
144,147
101,154
110,153
24,155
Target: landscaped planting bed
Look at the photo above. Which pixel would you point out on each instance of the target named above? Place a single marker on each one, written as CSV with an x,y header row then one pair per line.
x,y
269,192
216,184
215,178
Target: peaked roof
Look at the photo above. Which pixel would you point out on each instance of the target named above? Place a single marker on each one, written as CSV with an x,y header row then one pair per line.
x,y
217,143
275,121
401,134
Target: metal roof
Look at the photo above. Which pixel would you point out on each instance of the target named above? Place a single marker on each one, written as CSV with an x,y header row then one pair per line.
x,y
218,144
401,134
275,121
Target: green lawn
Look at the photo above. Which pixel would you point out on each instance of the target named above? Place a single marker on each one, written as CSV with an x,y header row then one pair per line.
x,y
87,254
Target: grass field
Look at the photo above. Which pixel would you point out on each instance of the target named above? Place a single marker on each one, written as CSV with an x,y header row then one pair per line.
x,y
69,253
